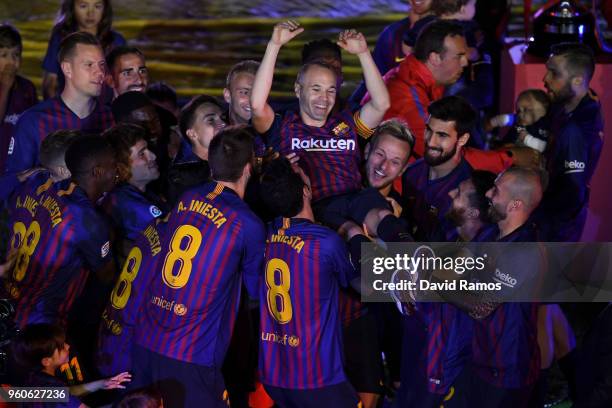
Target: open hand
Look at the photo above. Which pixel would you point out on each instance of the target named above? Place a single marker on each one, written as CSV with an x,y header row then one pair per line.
x,y
285,32
353,42
116,381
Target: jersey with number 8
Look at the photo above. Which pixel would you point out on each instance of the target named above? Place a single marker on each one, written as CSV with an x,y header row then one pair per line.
x,y
65,240
300,339
213,241
122,311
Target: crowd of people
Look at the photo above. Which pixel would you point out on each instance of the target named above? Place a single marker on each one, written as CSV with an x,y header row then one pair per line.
x,y
209,254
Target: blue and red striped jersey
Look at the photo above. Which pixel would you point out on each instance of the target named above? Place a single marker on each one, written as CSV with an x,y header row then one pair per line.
x,y
130,209
572,155
448,343
427,201
22,96
46,117
123,309
212,243
25,195
350,306
505,345
64,240
301,339
388,52
329,155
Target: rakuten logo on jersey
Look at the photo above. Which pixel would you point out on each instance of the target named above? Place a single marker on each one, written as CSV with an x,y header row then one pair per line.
x,y
322,145
504,278
574,166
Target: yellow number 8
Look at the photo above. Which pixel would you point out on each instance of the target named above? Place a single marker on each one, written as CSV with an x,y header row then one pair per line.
x,y
28,239
285,314
123,288
184,256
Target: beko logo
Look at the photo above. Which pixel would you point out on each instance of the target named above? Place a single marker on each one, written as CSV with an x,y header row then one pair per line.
x,y
504,278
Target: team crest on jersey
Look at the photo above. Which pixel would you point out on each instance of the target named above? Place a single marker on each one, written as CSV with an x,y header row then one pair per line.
x,y
155,212
293,341
105,249
341,129
116,329
180,309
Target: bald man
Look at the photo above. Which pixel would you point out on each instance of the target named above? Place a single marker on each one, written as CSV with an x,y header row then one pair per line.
x,y
505,353
514,196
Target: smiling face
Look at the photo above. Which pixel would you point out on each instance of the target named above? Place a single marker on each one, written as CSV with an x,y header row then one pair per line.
x,y
317,95
238,96
143,166
387,160
420,7
129,73
441,141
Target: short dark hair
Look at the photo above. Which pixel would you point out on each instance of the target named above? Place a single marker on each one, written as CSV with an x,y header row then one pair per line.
x,y
70,42
84,152
445,7
37,341
53,147
187,116
9,37
317,49
431,38
282,189
395,128
579,58
482,181
122,137
161,92
127,102
455,108
120,51
248,66
314,63
229,151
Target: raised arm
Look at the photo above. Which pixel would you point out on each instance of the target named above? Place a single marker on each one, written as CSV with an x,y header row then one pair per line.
x,y
372,112
263,115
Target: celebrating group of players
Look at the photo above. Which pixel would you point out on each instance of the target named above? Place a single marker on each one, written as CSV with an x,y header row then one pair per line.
x,y
184,219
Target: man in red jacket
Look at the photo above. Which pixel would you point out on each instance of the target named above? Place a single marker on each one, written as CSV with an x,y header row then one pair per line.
x,y
439,57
